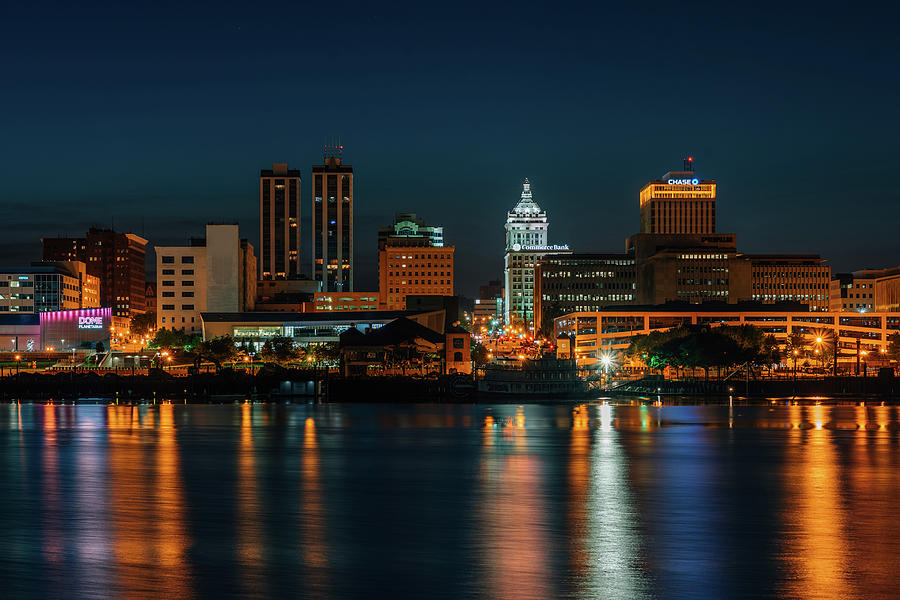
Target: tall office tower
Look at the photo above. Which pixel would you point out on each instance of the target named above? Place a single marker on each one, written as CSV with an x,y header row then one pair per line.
x,y
332,222
526,224
679,203
116,259
526,245
279,222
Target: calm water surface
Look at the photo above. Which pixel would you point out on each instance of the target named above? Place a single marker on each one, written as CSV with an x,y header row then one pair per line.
x,y
449,501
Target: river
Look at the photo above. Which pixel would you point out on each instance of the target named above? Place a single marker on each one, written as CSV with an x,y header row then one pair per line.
x,y
449,501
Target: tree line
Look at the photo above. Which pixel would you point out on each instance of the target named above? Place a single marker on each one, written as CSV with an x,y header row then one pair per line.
x,y
703,346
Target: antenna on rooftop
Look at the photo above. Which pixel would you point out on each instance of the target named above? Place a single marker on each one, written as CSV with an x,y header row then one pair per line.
x,y
689,164
333,148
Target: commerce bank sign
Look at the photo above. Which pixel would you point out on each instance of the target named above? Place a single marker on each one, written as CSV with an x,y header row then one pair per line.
x,y
552,248
90,322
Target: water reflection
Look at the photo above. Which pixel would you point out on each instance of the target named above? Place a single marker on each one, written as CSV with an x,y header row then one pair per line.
x,y
540,501
511,514
614,543
313,518
816,549
249,511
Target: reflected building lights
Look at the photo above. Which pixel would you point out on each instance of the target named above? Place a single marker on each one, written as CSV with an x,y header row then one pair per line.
x,y
314,522
250,542
816,552
612,541
512,546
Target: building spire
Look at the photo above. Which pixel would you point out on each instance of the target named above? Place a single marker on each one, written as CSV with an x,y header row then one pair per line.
x,y
526,201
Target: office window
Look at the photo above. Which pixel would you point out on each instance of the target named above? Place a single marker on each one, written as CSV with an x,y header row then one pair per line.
x,y
187,271
168,259
168,271
168,307
187,294
187,260
187,307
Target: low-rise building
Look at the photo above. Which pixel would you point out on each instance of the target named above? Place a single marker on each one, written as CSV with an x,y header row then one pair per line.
x,y
790,278
58,330
866,290
611,331
404,346
343,302
48,286
255,328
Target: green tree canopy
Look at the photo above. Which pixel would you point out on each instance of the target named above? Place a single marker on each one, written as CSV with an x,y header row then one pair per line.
x,y
893,350
703,346
142,323
218,349
280,350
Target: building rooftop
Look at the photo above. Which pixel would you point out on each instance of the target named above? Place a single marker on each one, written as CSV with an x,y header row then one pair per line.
x,y
20,319
675,306
318,317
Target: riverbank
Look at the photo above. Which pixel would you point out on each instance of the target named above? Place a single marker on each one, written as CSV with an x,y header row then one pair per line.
x,y
227,385
312,385
886,388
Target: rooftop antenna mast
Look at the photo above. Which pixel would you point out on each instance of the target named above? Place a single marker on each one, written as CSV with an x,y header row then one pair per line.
x,y
333,148
689,164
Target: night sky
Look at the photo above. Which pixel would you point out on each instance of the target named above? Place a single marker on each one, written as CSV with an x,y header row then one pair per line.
x,y
160,118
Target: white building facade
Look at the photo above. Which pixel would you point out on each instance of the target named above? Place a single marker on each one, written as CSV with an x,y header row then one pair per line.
x,y
526,244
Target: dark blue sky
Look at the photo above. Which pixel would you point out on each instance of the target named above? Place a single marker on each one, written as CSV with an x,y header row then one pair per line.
x,y
161,117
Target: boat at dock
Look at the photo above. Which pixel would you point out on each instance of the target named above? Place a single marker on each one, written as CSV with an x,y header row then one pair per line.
x,y
547,377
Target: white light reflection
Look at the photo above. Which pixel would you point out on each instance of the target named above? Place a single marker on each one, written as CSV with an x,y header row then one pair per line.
x,y
614,543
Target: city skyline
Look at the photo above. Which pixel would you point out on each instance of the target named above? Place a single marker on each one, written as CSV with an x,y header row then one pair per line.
x,y
793,151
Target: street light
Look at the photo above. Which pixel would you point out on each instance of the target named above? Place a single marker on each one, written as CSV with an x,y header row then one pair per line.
x,y
796,352
17,364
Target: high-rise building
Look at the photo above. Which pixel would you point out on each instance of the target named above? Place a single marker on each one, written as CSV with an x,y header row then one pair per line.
x,y
411,266
679,203
526,244
116,259
212,274
332,222
279,222
48,286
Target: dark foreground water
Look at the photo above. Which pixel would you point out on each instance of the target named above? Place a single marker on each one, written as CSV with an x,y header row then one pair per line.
x,y
443,501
